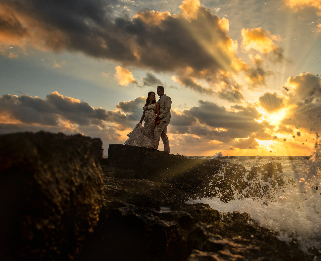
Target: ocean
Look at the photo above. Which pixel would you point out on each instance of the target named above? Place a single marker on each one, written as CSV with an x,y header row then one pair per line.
x,y
293,210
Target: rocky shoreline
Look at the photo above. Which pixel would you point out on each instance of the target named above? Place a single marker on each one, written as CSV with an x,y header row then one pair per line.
x,y
60,200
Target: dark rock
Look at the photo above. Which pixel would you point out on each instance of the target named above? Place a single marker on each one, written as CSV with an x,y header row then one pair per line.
x,y
150,164
196,178
143,193
126,232
51,194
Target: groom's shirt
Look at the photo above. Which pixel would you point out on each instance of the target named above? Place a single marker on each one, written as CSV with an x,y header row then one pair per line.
x,y
165,104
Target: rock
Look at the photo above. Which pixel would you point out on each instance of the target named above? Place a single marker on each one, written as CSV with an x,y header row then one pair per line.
x,y
127,232
150,164
51,194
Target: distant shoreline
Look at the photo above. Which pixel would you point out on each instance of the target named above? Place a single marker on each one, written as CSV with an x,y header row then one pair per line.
x,y
235,157
250,157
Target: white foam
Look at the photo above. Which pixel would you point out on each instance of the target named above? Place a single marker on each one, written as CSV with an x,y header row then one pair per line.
x,y
294,212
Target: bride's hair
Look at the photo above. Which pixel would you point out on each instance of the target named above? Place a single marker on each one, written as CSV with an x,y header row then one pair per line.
x,y
147,100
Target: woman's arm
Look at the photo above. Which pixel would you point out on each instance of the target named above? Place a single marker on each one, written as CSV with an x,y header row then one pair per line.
x,y
141,120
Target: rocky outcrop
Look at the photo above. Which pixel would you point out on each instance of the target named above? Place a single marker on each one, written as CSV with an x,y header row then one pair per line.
x,y
54,188
51,194
195,178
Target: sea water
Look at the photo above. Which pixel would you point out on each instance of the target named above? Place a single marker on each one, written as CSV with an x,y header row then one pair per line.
x,y
294,211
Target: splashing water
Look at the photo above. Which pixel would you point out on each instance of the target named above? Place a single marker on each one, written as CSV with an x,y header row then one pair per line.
x,y
294,211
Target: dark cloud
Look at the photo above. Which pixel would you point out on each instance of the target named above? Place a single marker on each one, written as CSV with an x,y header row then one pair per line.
x,y
12,128
151,80
191,83
306,116
271,102
215,116
28,110
249,143
256,74
278,54
47,112
133,108
305,93
212,122
304,88
169,43
11,27
262,136
231,95
181,119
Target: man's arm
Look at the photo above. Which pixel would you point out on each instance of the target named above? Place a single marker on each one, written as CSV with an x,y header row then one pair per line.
x,y
167,107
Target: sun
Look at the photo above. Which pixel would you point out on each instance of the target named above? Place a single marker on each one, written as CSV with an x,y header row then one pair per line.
x,y
274,118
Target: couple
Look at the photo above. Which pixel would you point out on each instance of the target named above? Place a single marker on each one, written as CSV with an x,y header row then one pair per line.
x,y
157,116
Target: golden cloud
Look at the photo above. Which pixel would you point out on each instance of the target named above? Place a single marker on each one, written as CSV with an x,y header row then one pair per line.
x,y
124,76
190,8
152,17
259,39
299,4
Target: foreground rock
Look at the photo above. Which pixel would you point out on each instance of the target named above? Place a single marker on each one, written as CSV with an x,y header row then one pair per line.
x,y
51,194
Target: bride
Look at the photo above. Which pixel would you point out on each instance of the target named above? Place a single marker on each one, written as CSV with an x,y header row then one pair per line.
x,y
144,136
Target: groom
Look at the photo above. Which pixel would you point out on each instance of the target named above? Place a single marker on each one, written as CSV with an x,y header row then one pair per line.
x,y
160,130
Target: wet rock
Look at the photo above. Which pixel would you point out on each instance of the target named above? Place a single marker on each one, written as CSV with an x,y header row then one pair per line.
x,y
51,194
144,193
196,178
127,232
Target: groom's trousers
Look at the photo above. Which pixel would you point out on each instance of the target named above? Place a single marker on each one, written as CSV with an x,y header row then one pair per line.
x,y
160,131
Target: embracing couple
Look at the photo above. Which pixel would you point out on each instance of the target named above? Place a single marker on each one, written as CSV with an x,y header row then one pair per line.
x,y
157,116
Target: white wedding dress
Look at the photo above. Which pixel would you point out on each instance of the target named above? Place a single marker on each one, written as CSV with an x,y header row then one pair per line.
x,y
144,136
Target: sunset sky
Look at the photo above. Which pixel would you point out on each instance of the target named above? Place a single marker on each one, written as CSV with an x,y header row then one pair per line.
x,y
243,75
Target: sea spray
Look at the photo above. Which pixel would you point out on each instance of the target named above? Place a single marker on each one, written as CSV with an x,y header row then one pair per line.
x,y
289,202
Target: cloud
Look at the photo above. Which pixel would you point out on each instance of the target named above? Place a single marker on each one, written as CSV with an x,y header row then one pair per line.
x,y
300,4
11,29
190,8
303,88
151,80
262,41
191,83
242,118
181,119
57,108
212,122
133,108
249,143
230,94
271,102
194,38
256,74
12,55
59,65
124,76
305,101
152,17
